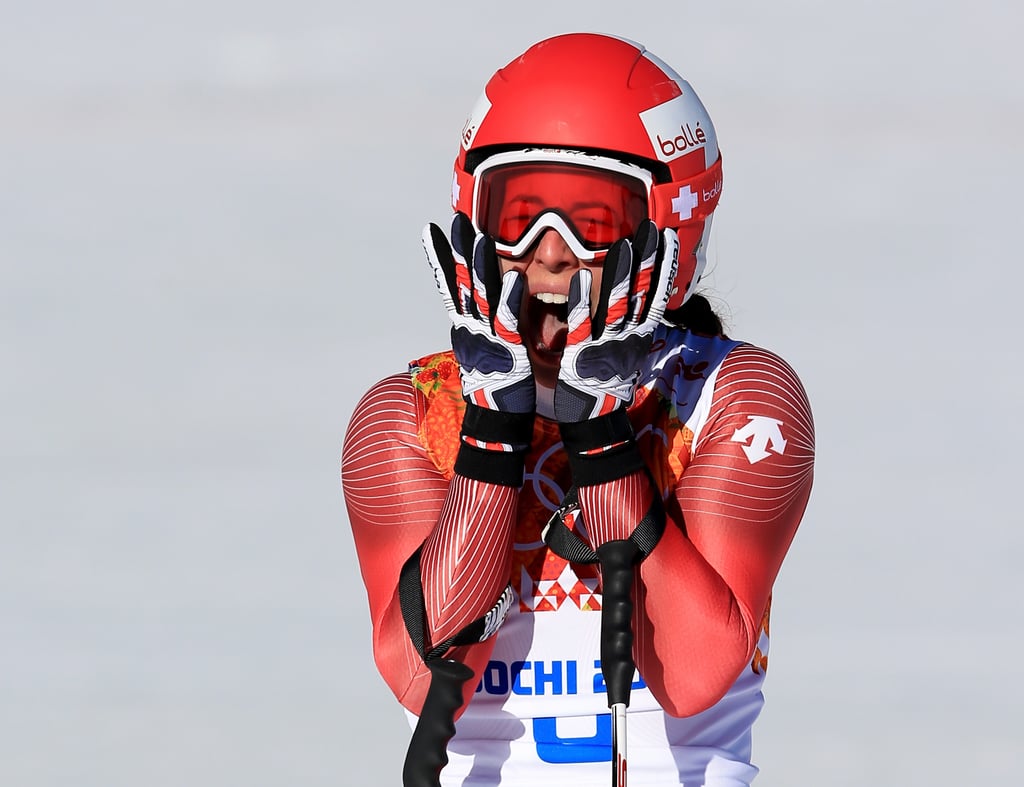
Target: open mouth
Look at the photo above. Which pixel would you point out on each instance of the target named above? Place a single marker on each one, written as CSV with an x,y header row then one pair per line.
x,y
546,323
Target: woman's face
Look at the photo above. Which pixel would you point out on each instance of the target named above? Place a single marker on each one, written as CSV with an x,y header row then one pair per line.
x,y
548,267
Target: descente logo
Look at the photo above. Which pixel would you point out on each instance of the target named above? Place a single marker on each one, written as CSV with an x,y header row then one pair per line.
x,y
688,138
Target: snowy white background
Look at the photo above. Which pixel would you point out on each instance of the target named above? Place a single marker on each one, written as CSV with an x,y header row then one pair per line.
x,y
209,222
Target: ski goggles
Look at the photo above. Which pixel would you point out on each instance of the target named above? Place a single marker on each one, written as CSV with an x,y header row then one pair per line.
x,y
591,201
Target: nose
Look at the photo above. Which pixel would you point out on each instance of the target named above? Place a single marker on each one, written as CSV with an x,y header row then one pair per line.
x,y
553,253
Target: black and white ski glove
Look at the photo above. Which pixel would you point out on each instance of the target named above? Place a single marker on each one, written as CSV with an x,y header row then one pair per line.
x,y
497,381
604,353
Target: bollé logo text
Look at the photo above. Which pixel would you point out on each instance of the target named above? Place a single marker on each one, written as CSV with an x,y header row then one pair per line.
x,y
689,138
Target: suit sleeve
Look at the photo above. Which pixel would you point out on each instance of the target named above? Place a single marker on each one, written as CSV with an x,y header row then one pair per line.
x,y
398,501
702,593
736,509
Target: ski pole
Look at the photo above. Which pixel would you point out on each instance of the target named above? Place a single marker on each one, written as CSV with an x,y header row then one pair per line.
x,y
428,749
617,559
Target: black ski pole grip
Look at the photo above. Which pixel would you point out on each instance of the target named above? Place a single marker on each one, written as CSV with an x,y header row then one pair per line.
x,y
428,747
617,561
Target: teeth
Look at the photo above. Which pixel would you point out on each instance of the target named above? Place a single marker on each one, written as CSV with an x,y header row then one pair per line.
x,y
551,297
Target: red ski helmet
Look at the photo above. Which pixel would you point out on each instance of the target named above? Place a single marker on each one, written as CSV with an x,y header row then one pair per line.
x,y
585,100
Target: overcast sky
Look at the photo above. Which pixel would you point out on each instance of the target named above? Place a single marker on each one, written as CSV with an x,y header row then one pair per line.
x,y
209,248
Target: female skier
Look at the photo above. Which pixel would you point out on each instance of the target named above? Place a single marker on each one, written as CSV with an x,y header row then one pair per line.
x,y
591,419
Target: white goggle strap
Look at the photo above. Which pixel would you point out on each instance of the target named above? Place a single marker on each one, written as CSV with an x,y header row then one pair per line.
x,y
701,258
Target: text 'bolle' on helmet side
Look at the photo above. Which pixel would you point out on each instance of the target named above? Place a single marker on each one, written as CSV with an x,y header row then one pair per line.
x,y
605,95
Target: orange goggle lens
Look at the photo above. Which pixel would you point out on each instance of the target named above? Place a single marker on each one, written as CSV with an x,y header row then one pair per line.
x,y
600,206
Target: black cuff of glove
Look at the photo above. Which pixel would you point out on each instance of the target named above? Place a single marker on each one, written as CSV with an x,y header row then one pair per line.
x,y
493,426
590,469
504,468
